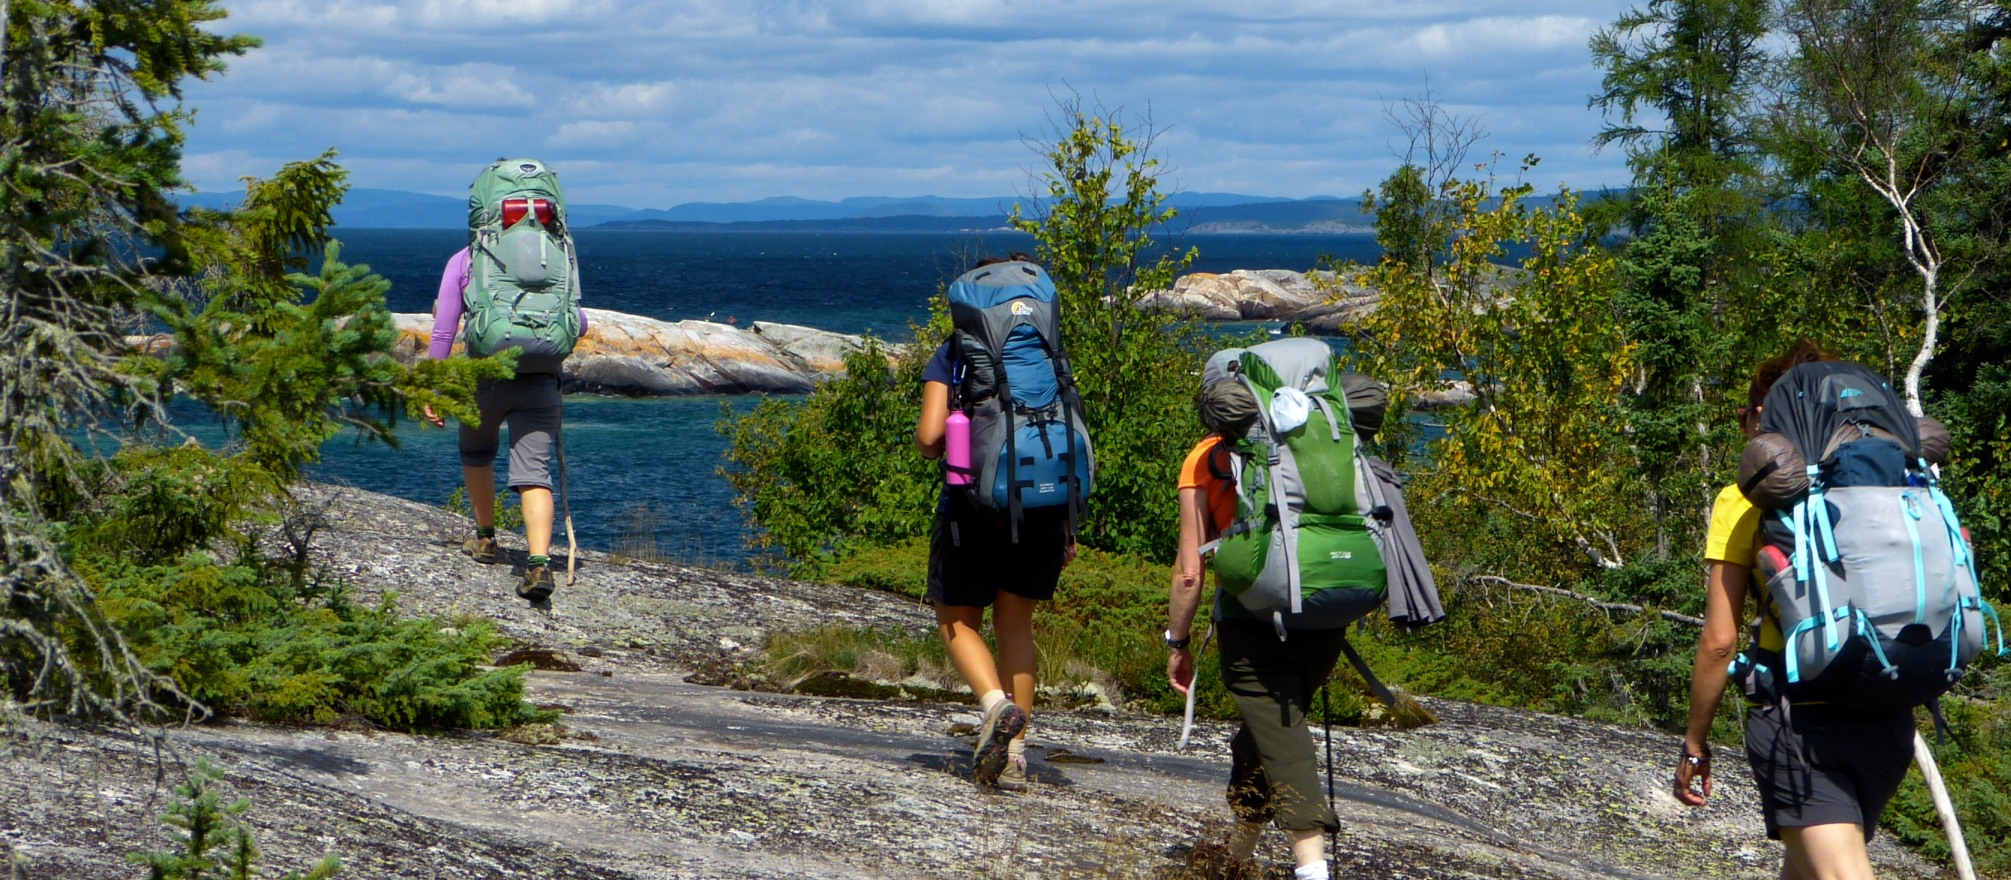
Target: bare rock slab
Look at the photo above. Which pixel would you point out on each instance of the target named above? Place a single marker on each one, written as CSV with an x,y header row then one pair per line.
x,y
656,777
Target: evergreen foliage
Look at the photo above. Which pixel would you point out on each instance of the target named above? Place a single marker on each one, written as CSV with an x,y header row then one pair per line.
x,y
211,837
137,585
90,136
173,549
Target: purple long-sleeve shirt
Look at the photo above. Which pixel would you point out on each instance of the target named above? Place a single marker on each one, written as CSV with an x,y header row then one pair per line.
x,y
448,304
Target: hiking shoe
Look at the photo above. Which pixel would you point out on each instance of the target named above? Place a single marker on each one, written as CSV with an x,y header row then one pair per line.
x,y
482,550
1013,776
537,584
1001,724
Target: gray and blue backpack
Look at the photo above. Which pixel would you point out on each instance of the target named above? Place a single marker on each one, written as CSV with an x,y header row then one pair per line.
x,y
1872,578
1029,444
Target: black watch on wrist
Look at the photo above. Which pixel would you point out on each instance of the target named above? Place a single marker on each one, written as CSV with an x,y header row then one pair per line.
x,y
1173,644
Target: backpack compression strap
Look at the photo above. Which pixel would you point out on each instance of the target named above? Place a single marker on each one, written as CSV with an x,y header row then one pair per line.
x,y
1375,684
1064,376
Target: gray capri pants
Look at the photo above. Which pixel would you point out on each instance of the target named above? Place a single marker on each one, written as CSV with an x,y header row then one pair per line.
x,y
534,409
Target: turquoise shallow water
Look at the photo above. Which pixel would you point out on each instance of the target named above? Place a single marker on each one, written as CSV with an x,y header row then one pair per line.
x,y
651,466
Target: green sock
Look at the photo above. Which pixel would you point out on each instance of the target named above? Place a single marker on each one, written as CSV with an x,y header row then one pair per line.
x,y
485,531
535,561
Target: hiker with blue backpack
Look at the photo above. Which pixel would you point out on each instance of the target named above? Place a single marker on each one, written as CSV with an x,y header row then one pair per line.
x,y
514,287
999,406
1281,502
1867,606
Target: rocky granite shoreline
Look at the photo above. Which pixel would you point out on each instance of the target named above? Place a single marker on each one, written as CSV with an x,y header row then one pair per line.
x,y
1324,303
634,356
653,775
631,355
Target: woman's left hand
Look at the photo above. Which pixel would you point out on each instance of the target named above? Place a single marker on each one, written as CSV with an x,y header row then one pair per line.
x,y
1180,670
1693,767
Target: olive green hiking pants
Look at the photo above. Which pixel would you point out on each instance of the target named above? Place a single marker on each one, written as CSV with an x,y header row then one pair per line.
x,y
1274,771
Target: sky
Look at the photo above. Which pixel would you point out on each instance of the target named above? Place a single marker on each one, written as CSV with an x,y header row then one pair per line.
x,y
651,104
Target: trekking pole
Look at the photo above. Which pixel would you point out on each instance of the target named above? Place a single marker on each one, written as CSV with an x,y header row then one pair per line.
x,y
1187,725
566,504
1932,774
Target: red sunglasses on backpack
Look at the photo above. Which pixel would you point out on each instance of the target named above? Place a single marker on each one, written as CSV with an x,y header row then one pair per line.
x,y
515,209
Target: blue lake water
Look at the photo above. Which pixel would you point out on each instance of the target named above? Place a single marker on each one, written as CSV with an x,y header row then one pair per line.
x,y
650,466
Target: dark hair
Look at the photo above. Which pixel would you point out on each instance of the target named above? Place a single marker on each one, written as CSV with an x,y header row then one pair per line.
x,y
1772,369
1014,257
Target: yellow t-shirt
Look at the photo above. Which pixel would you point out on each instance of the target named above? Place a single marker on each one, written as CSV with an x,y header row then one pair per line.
x,y
1734,537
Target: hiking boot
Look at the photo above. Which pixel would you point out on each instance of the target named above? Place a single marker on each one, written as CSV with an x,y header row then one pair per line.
x,y
1001,724
482,550
1013,776
537,584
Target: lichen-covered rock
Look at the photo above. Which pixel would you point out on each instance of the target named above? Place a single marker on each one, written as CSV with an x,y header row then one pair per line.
x,y
1241,294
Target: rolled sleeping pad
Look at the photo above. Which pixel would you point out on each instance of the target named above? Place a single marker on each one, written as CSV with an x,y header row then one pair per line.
x,y
1226,407
1772,473
1934,440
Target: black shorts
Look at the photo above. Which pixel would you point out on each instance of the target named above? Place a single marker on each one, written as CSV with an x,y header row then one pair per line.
x,y
1833,765
972,555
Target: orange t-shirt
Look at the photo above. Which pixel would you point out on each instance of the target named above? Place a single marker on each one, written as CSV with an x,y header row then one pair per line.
x,y
1217,493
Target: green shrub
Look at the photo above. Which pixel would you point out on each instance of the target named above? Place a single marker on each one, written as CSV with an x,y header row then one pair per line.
x,y
837,469
211,837
171,552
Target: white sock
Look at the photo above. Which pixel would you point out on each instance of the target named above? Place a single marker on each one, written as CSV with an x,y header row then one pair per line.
x,y
1243,841
1314,871
991,699
1016,749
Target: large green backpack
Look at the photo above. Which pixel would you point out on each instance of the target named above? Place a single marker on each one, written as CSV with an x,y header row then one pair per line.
x,y
523,275
1301,550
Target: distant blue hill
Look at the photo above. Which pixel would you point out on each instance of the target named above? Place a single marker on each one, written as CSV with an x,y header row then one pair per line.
x,y
397,209
1200,212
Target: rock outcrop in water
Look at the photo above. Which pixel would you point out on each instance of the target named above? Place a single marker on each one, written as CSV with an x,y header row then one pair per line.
x,y
632,355
1326,303
655,776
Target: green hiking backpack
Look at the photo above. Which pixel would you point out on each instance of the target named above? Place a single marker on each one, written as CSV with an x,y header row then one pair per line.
x,y
523,275
1303,550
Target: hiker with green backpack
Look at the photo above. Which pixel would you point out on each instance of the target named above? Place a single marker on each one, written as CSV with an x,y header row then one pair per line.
x,y
515,287
1281,503
1867,606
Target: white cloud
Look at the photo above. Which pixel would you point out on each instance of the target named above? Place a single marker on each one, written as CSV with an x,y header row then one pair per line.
x,y
662,101
592,134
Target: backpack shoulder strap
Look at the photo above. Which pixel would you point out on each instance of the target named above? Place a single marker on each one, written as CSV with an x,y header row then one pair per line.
x,y
1219,464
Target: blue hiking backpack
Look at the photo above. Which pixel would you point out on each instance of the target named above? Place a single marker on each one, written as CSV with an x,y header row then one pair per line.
x,y
1029,445
1873,581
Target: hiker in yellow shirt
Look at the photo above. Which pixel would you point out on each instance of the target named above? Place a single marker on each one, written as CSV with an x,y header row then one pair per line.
x,y
1824,774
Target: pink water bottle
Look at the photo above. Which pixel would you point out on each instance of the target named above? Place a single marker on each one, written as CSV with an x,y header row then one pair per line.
x,y
957,449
